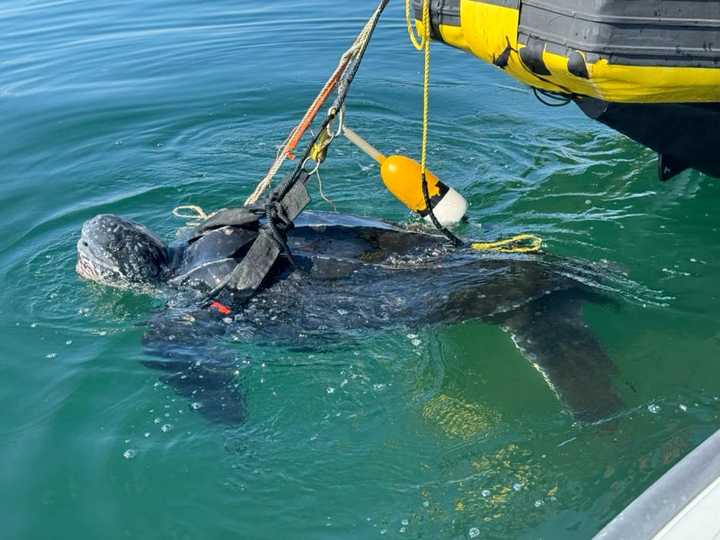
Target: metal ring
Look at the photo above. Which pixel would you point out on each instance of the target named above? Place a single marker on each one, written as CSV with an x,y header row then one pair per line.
x,y
341,122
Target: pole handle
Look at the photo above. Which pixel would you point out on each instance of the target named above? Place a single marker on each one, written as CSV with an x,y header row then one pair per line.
x,y
363,145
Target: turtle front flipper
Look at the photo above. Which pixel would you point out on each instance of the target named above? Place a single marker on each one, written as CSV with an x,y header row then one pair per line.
x,y
185,348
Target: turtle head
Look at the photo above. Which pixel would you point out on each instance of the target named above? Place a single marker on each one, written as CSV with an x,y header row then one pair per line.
x,y
119,253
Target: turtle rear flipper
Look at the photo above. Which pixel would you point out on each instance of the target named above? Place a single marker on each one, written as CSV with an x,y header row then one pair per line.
x,y
551,333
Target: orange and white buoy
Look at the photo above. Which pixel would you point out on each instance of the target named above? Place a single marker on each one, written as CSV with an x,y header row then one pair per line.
x,y
402,177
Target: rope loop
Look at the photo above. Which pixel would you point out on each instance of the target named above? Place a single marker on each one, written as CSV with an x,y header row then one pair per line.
x,y
418,42
522,243
191,212
315,168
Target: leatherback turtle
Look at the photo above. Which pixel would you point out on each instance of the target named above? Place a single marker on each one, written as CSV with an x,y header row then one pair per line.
x,y
375,274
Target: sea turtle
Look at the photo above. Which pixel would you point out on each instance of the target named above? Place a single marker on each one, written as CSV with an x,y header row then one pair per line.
x,y
375,274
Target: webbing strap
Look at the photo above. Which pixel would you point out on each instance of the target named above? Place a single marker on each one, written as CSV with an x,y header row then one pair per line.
x,y
296,198
247,276
270,243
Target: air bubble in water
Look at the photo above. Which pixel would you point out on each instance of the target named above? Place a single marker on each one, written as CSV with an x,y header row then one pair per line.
x,y
130,453
474,532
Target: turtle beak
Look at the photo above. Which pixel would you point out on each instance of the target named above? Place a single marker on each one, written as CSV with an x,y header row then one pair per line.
x,y
84,267
89,265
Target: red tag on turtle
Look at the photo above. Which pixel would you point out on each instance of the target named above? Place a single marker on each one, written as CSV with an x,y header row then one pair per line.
x,y
220,308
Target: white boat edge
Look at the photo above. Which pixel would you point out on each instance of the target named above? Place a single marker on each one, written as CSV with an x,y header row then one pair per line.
x,y
683,504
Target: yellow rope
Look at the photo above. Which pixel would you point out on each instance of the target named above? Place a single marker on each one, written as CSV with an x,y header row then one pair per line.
x,y
522,243
422,44
419,44
426,85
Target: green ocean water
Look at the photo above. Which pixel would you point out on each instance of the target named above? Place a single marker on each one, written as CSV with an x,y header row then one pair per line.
x,y
137,107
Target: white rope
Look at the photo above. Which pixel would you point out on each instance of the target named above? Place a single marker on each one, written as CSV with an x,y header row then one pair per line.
x,y
322,193
191,212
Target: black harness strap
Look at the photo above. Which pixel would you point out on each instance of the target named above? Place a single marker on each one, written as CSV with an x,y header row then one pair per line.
x,y
244,218
247,276
271,242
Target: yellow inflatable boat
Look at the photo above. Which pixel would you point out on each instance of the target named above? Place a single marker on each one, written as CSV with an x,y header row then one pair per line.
x,y
647,68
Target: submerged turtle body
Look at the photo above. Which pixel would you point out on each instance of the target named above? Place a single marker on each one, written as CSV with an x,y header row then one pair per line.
x,y
376,275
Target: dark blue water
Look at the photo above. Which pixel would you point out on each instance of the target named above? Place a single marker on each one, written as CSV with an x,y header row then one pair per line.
x,y
138,107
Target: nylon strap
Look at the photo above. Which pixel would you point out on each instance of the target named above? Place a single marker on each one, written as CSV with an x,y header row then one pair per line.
x,y
247,276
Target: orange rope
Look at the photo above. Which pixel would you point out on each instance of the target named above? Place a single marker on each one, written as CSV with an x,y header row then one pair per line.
x,y
299,131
